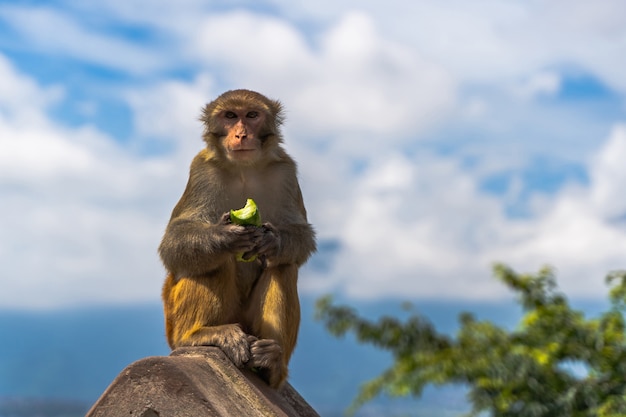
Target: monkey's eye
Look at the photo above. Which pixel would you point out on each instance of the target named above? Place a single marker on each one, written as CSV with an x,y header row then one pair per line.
x,y
252,114
230,115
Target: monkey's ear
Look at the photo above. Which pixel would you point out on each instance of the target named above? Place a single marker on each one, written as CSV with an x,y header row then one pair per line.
x,y
276,107
205,113
206,116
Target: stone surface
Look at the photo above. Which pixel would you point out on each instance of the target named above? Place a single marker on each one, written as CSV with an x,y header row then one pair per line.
x,y
198,381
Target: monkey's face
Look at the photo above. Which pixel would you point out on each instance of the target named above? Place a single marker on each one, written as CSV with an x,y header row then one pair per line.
x,y
242,138
242,127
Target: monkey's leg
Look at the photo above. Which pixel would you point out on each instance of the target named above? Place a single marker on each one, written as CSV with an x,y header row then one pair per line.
x,y
205,311
274,313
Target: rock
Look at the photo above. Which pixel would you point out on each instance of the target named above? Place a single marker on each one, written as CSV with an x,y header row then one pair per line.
x,y
194,382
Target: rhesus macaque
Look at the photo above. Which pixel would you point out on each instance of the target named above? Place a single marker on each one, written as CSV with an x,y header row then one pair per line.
x,y
248,309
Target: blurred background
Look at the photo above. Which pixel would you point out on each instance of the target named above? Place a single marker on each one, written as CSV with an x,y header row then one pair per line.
x,y
433,139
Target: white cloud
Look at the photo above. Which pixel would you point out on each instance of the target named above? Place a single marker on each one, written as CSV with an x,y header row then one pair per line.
x,y
608,174
421,227
415,227
55,33
494,42
21,100
252,45
167,16
370,85
170,112
541,83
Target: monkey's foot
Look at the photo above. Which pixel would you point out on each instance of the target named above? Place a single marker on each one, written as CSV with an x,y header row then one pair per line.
x,y
267,358
228,337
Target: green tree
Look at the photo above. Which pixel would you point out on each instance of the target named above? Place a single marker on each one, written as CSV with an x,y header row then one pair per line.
x,y
555,363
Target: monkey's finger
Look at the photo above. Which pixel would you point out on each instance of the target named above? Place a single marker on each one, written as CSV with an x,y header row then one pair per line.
x,y
225,219
269,245
255,232
239,354
261,345
239,230
249,254
269,227
242,246
261,251
265,353
241,241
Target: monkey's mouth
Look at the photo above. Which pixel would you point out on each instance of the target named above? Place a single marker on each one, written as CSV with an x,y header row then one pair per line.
x,y
242,154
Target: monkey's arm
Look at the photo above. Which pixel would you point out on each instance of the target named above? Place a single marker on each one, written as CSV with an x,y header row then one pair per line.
x,y
292,240
193,247
297,244
298,236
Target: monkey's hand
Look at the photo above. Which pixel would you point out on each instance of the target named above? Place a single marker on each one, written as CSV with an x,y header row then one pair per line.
x,y
267,356
267,243
237,238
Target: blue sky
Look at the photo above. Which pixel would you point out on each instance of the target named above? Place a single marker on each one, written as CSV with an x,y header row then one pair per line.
x,y
433,138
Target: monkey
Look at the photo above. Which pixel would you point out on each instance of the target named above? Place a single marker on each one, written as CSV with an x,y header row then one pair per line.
x,y
250,310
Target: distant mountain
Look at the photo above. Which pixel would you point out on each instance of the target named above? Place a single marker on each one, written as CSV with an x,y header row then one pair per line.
x,y
69,357
29,407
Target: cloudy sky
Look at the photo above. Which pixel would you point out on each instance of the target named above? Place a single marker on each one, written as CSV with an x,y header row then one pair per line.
x,y
433,138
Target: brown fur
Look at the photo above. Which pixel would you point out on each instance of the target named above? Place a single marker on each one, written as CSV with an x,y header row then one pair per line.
x,y
250,310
